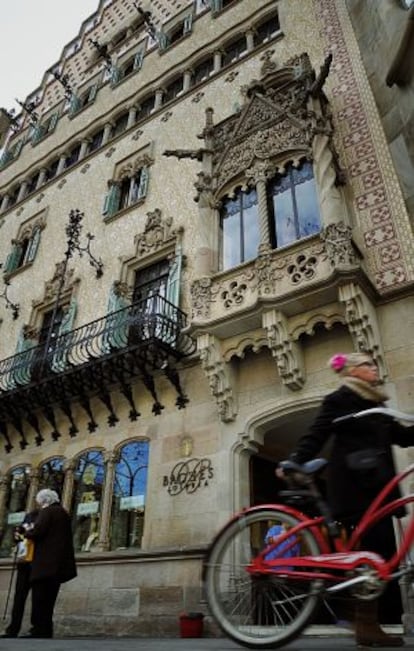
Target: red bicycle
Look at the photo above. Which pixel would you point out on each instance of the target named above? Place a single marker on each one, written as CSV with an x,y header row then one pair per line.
x,y
262,594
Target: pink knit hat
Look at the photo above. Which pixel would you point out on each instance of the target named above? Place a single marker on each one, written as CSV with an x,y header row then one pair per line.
x,y
341,362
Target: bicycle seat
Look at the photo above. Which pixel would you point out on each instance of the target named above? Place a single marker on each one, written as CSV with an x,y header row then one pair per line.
x,y
308,468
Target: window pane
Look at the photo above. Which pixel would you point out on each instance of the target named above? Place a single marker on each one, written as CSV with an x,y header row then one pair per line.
x,y
251,235
240,229
308,208
129,496
284,217
231,226
17,490
86,499
295,204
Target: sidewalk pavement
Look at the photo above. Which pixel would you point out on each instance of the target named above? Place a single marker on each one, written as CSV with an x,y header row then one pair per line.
x,y
313,640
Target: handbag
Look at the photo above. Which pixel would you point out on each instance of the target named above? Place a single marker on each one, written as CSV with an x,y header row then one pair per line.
x,y
25,550
366,459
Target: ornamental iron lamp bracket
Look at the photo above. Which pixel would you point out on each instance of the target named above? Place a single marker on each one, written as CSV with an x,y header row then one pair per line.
x,y
64,80
103,52
147,17
30,108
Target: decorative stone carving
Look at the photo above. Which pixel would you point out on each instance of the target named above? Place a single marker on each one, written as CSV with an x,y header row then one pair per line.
x,y
157,233
201,297
131,168
52,286
362,322
219,376
338,245
287,353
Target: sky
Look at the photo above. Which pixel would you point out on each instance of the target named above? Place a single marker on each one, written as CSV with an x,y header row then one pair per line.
x,y
32,36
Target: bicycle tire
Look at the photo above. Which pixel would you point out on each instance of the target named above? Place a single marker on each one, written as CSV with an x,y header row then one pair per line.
x,y
258,612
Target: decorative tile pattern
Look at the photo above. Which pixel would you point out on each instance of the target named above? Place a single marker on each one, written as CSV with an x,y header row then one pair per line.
x,y
381,211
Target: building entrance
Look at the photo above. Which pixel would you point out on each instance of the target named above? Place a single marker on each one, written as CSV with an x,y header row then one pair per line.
x,y
265,488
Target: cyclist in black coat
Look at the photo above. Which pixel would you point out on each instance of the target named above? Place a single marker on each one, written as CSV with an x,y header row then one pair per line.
x,y
361,464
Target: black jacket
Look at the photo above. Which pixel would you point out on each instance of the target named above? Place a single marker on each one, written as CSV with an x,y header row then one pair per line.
x,y
54,556
350,491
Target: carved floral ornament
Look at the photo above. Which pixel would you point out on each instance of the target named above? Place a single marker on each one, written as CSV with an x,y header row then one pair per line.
x,y
130,169
158,236
272,272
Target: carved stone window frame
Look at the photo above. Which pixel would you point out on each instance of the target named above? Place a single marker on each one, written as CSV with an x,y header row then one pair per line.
x,y
158,241
28,236
128,169
40,307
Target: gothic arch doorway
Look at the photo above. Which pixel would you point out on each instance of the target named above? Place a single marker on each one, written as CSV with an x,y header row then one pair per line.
x,y
274,439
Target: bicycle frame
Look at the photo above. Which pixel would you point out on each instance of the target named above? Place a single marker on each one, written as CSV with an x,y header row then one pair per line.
x,y
346,556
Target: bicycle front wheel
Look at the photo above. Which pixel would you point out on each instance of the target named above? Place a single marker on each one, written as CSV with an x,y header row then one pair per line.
x,y
259,611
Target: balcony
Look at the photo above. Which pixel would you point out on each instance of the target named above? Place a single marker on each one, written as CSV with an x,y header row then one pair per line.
x,y
106,355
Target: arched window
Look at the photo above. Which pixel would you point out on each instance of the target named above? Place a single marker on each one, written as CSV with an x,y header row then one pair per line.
x,y
129,496
17,490
292,213
52,475
86,499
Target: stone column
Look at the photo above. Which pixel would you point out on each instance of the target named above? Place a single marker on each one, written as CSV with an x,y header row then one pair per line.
x,y
207,223
331,202
217,61
110,459
106,133
250,40
67,491
22,191
186,80
132,116
4,203
4,489
33,489
259,174
62,163
42,177
158,98
84,148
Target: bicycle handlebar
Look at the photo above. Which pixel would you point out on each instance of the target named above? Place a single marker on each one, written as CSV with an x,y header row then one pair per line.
x,y
394,413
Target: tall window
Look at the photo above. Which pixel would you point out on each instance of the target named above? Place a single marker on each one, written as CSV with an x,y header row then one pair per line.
x,y
130,189
129,496
24,249
145,108
174,89
234,51
202,71
17,491
240,228
86,499
266,30
120,124
294,205
292,213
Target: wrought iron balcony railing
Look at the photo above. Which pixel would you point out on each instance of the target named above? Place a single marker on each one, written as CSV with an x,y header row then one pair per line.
x,y
89,361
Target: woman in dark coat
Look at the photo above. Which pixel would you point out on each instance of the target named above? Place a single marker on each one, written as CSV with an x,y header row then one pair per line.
x,y
53,561
350,488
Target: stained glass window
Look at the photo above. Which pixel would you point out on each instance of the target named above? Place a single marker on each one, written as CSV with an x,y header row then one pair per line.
x,y
86,499
129,495
15,507
52,475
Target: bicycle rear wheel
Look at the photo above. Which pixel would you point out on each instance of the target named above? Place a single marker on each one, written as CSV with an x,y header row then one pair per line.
x,y
258,611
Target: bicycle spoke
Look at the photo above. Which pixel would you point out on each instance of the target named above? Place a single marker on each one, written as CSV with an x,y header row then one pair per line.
x,y
258,610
